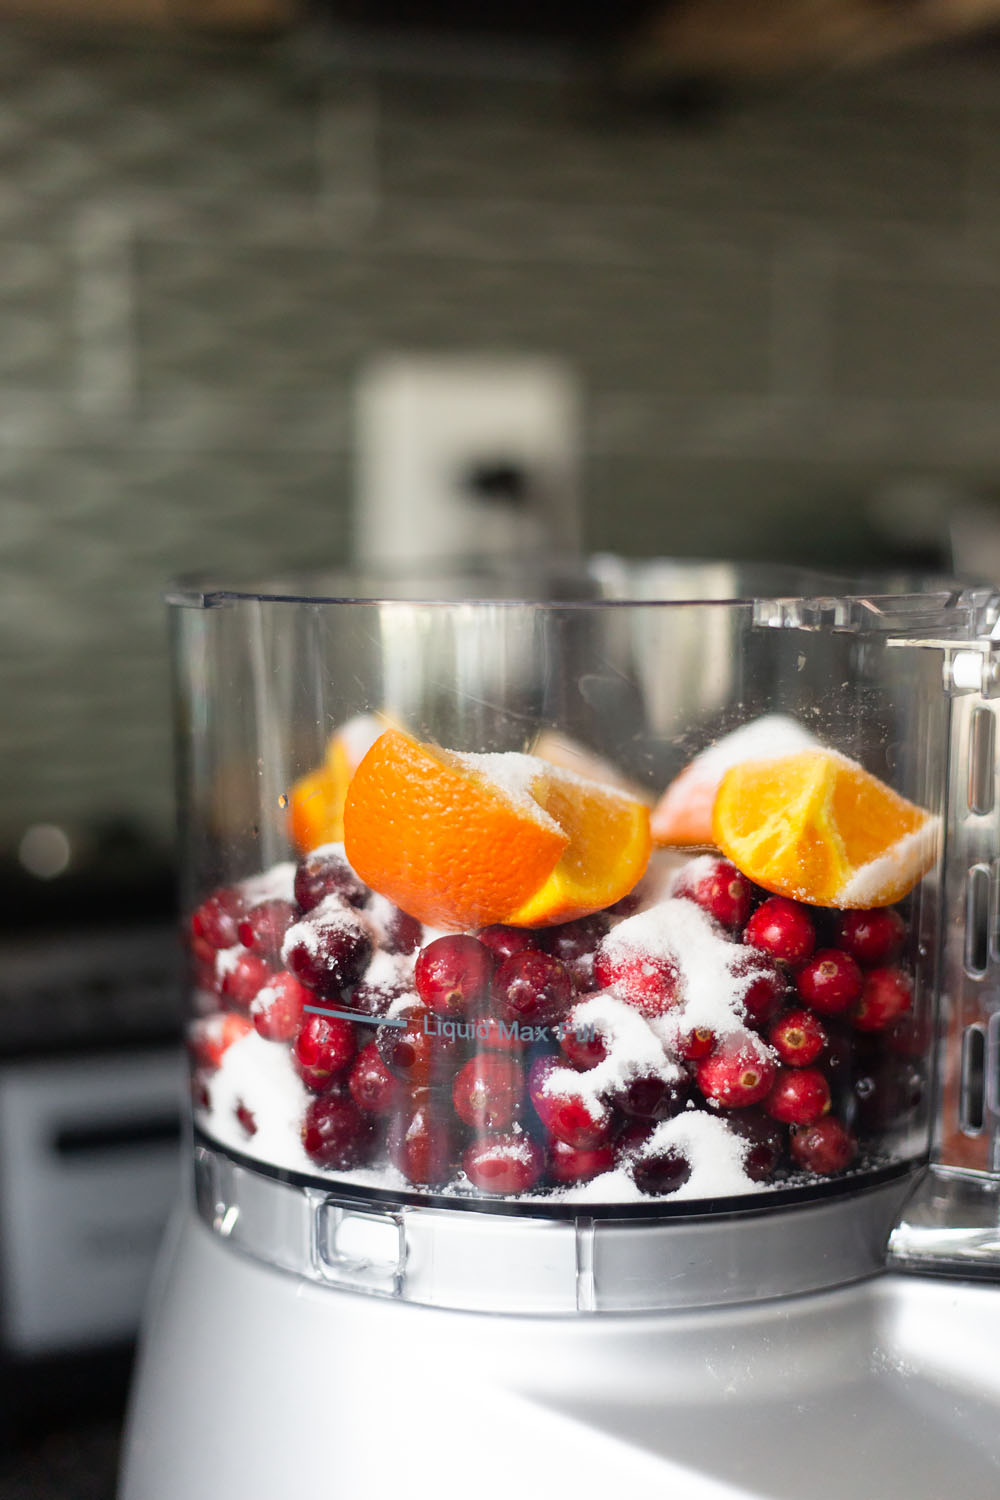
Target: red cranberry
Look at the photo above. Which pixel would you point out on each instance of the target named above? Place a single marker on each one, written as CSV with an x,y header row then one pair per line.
x,y
799,1096
830,982
650,1097
574,940
500,1036
569,1164
886,997
328,950
203,967
243,975
582,1046
887,1094
797,1037
532,988
373,1088
765,1142
245,1117
323,1050
263,928
737,1074
720,890
650,984
504,1164
783,929
632,1139
372,998
278,1008
503,942
324,873
659,1172
335,1133
488,1091
826,1146
210,1039
453,973
217,919
421,1053
422,1143
692,1046
765,989
401,933
872,937
574,1118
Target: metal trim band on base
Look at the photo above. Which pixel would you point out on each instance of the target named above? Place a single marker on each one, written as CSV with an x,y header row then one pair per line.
x,y
483,1262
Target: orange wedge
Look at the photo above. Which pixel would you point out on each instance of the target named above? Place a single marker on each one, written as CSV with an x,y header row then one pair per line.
x,y
819,828
316,801
461,841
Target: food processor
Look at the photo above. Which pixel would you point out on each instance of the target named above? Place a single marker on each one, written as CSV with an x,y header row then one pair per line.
x,y
594,1041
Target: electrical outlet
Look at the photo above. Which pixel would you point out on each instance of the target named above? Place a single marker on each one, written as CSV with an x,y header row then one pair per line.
x,y
466,456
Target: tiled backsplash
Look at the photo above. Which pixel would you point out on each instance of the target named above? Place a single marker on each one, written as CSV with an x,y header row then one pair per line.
x,y
770,317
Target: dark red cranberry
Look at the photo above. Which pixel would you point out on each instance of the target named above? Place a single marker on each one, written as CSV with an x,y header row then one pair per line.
x,y
262,929
910,1037
783,929
565,1112
583,1045
327,873
504,1164
765,1142
532,988
886,997
372,1087
453,974
739,1073
245,1117
765,987
658,1172
216,920
649,983
373,998
209,1039
830,982
401,933
574,940
797,1037
323,1050
277,1010
632,1139
488,1091
335,1133
720,890
421,1053
328,950
887,1094
799,1096
872,937
826,1146
569,1164
243,975
692,1046
650,1097
422,1142
503,942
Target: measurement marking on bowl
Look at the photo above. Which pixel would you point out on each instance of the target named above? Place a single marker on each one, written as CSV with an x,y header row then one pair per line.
x,y
353,1015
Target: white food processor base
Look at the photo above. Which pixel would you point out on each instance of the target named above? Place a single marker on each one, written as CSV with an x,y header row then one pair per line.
x,y
253,1384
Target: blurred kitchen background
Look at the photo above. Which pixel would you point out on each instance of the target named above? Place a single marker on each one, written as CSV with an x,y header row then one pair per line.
x,y
756,283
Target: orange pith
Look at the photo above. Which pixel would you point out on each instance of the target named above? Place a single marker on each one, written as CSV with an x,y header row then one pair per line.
x,y
316,801
817,827
446,838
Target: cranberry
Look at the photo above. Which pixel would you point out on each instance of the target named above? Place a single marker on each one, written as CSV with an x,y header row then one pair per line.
x,y
886,997
632,1139
217,918
210,1039
243,975
872,937
565,1112
649,983
245,1117
373,997
504,1164
765,1142
797,1037
826,1146
799,1096
783,929
400,933
203,964
335,1133
488,1091
372,1087
503,942
658,1172
739,1073
651,1097
420,1053
262,929
329,949
830,982
453,973
720,890
277,1009
910,1037
692,1046
200,1096
422,1144
887,1094
533,988
324,873
323,1050
765,988
582,1046
571,1164
500,1036
574,940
